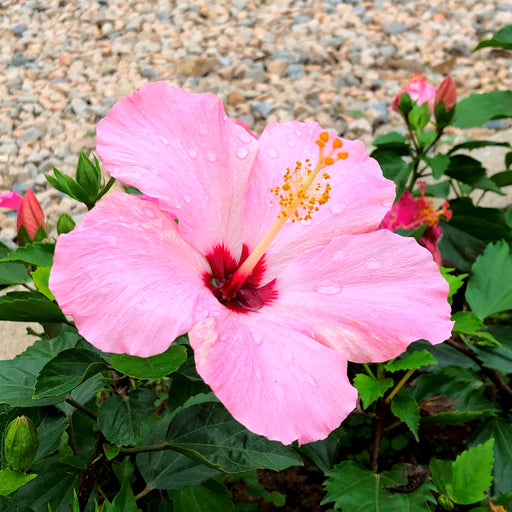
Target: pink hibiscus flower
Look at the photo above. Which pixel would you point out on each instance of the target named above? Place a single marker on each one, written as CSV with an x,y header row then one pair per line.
x,y
411,213
419,91
11,200
275,268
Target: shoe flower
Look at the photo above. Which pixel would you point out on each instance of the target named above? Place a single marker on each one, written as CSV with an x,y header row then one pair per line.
x,y
266,251
412,213
419,91
11,200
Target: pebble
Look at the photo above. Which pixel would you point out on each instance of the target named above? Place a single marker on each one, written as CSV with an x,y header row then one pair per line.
x,y
340,62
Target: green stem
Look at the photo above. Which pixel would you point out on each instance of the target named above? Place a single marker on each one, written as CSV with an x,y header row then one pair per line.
x,y
400,385
81,407
369,371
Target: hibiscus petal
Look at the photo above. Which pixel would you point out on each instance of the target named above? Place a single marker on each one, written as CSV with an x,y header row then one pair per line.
x,y
128,279
273,379
10,200
360,195
183,150
367,296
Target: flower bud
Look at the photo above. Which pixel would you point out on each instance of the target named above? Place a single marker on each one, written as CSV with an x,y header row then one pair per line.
x,y
419,91
447,93
31,215
20,443
445,502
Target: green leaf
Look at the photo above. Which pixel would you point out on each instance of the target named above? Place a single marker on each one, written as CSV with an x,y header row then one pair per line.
x,y
476,144
370,389
427,138
151,368
208,433
467,322
111,450
323,453
419,116
66,371
211,496
394,168
406,409
353,489
121,418
39,254
502,179
438,164
441,189
490,284
394,141
502,39
414,360
65,224
468,170
41,277
254,488
454,281
49,433
29,307
477,109
471,474
11,481
123,502
498,356
52,488
441,471
11,273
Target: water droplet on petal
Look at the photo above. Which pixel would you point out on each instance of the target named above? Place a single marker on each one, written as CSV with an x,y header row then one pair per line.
x,y
272,152
245,137
164,139
241,152
329,289
337,208
372,264
210,156
192,153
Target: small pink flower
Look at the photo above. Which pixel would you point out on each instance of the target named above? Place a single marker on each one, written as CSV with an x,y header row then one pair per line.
x,y
11,200
276,268
411,213
30,214
419,91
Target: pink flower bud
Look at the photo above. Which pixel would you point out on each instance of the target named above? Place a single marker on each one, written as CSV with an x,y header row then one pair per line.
x,y
419,91
447,93
30,215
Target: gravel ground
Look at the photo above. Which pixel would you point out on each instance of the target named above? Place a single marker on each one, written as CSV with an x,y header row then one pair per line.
x,y
63,65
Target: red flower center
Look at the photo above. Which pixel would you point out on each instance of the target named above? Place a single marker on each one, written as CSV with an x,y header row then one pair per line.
x,y
250,296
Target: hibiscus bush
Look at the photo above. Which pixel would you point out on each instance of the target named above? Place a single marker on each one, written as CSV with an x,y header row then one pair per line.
x,y
264,322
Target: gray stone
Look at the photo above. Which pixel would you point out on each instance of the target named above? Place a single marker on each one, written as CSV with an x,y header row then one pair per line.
x,y
263,108
33,133
295,71
163,16
299,20
149,73
496,124
395,28
80,107
19,29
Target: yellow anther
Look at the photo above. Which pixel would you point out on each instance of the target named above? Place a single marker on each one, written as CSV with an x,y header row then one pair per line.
x,y
324,136
321,143
336,143
328,160
342,155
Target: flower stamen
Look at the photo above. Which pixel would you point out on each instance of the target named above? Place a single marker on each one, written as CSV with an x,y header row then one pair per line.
x,y
299,196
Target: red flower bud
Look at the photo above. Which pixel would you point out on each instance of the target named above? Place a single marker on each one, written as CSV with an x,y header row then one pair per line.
x,y
446,92
30,214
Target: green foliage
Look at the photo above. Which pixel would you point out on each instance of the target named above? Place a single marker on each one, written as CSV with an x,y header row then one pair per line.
x,y
415,359
489,288
353,489
371,389
406,409
477,109
39,254
154,367
211,496
11,480
65,224
467,478
502,39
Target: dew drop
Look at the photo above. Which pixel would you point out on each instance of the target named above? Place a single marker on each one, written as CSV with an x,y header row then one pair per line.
x,y
210,156
241,152
272,152
245,137
331,289
192,153
164,139
372,264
